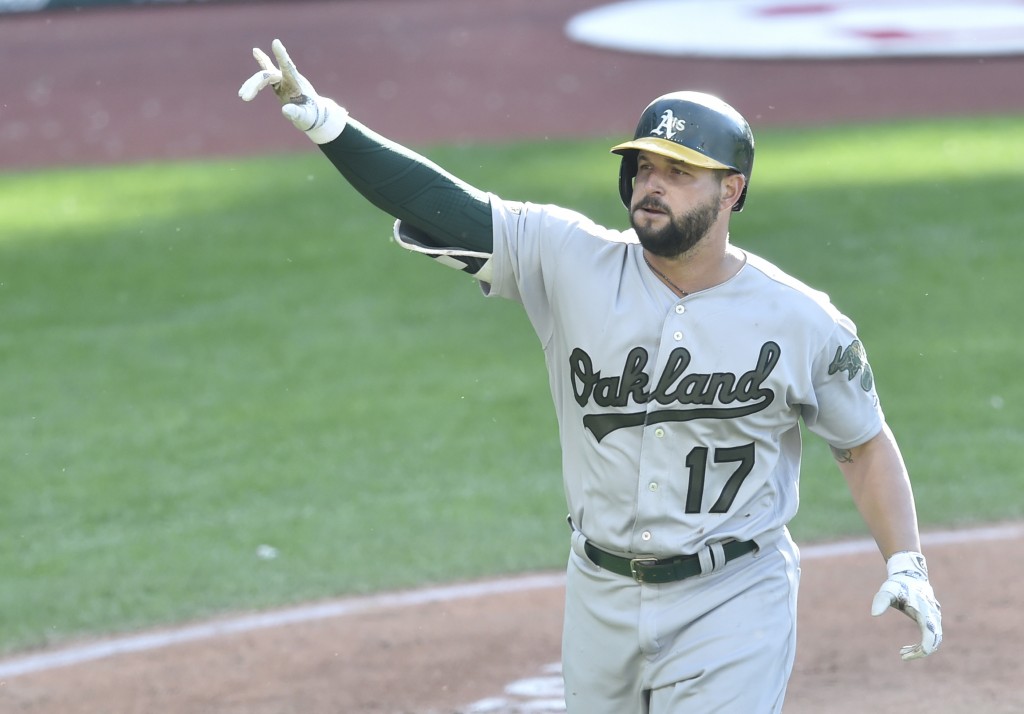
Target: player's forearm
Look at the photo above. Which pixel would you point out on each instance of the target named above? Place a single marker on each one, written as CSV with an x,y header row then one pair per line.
x,y
880,486
411,188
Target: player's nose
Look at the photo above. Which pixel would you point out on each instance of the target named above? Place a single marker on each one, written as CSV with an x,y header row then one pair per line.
x,y
649,183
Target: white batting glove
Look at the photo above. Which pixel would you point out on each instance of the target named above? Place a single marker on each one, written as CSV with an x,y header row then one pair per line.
x,y
321,118
909,591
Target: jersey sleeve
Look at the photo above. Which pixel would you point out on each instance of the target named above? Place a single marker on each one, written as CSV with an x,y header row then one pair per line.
x,y
534,248
845,411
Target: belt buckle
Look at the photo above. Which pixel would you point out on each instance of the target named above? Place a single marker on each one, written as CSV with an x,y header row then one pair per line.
x,y
634,562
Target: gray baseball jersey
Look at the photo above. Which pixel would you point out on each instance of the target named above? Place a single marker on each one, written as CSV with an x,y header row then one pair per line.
x,y
678,418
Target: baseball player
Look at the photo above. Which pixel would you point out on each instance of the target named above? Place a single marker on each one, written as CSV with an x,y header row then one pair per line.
x,y
680,368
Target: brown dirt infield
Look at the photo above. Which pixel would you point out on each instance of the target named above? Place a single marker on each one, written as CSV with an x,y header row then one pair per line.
x,y
156,84
440,657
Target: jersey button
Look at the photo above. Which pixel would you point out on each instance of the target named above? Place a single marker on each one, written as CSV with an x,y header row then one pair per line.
x,y
653,486
659,432
680,309
677,336
646,535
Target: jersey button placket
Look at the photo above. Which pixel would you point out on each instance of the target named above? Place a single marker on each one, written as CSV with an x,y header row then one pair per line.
x,y
656,455
649,495
679,309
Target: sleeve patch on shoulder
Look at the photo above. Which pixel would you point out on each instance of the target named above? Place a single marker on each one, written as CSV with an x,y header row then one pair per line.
x,y
853,360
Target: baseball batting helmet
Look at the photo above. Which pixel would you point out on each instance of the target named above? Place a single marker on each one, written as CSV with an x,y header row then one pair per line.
x,y
694,127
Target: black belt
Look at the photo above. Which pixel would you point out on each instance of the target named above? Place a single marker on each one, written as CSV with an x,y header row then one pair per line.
x,y
665,570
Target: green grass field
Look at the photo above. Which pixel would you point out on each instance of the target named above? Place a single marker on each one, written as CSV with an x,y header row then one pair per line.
x,y
199,359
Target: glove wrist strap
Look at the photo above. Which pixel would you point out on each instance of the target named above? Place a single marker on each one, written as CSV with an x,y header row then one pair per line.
x,y
907,561
330,124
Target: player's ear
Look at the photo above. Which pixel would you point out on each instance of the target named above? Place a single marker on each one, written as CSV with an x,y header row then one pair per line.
x,y
732,189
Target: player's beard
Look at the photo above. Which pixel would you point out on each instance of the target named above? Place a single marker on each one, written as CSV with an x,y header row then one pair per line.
x,y
681,233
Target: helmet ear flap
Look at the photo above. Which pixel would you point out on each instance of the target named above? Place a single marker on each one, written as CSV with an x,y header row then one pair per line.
x,y
627,172
738,206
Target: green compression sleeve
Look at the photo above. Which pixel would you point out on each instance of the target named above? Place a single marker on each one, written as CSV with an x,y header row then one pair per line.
x,y
412,188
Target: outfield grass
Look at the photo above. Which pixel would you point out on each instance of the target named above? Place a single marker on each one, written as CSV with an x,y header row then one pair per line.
x,y
201,359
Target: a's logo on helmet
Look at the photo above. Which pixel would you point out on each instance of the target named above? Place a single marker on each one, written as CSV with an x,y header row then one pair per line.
x,y
669,125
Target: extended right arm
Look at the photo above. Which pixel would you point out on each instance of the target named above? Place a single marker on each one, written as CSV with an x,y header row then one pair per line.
x,y
438,213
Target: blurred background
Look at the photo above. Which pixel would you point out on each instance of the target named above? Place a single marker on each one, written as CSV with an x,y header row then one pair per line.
x,y
108,82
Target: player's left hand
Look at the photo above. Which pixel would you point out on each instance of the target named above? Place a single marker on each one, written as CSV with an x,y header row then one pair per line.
x,y
908,590
321,118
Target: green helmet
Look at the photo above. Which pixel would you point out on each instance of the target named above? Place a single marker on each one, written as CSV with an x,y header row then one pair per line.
x,y
694,127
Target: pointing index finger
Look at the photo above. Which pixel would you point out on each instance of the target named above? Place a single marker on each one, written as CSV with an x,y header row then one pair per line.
x,y
283,60
291,85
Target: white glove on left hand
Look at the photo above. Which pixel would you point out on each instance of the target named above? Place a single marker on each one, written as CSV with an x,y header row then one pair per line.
x,y
909,591
321,118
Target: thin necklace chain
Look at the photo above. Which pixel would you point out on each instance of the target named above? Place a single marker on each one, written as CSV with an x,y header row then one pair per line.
x,y
679,290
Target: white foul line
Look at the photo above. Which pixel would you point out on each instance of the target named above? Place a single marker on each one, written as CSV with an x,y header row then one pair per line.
x,y
73,655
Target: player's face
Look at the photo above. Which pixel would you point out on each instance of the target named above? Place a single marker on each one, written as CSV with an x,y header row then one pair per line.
x,y
674,204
